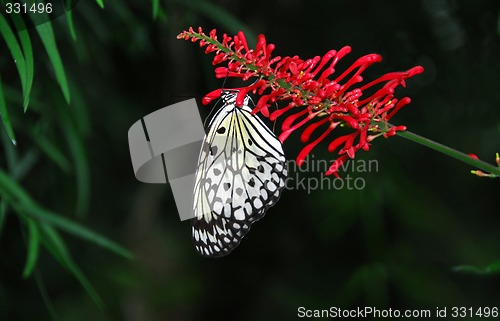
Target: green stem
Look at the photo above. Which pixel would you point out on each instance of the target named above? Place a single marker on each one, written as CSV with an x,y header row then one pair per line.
x,y
487,168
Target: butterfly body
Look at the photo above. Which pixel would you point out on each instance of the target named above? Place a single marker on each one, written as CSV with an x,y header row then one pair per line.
x,y
241,173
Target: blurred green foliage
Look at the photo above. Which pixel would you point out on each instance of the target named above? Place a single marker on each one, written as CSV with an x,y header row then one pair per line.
x,y
422,233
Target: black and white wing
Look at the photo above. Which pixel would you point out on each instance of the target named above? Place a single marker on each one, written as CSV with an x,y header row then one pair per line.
x,y
241,173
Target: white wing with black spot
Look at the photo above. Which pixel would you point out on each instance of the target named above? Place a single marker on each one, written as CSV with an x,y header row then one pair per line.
x,y
241,173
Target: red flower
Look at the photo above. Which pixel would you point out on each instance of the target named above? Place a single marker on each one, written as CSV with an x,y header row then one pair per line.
x,y
321,97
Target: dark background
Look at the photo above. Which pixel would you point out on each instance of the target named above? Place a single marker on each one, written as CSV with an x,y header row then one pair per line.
x,y
420,235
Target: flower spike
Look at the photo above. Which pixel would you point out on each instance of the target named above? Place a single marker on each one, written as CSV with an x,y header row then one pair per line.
x,y
315,93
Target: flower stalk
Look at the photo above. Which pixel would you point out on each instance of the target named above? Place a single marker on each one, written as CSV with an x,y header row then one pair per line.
x,y
486,170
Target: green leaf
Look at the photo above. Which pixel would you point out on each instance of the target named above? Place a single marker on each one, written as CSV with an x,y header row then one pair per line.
x,y
53,152
45,296
79,112
156,8
14,194
492,268
25,164
55,244
15,51
79,156
100,3
10,151
71,26
33,248
11,191
49,42
4,114
78,230
24,37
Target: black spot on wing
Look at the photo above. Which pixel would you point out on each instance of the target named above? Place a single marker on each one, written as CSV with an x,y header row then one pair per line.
x,y
218,237
221,233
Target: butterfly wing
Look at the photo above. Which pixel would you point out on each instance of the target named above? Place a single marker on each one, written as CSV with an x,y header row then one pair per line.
x,y
241,173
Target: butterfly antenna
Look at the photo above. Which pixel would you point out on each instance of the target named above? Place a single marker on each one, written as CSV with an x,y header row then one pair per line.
x,y
212,110
251,99
274,123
